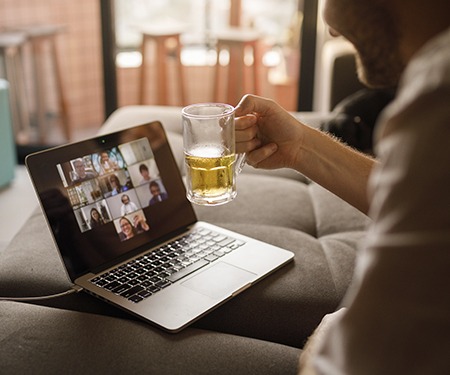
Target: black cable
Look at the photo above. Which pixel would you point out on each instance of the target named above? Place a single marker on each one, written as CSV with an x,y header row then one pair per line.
x,y
74,289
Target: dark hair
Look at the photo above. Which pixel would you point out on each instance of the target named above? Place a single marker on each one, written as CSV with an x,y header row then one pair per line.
x,y
154,183
129,222
95,210
143,167
115,178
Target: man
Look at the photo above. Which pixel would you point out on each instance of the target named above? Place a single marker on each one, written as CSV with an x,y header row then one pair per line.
x,y
127,206
145,173
81,173
396,318
157,195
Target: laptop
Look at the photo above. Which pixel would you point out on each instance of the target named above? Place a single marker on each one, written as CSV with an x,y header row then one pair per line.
x,y
117,209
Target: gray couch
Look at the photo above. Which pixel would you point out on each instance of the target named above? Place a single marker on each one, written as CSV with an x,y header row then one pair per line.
x,y
260,331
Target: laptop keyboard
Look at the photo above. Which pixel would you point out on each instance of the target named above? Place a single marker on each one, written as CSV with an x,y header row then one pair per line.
x,y
154,271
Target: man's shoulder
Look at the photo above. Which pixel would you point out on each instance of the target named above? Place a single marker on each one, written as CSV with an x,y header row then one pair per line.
x,y
430,67
425,84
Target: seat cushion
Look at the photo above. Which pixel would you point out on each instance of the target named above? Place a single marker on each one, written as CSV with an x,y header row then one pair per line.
x,y
280,207
285,307
53,341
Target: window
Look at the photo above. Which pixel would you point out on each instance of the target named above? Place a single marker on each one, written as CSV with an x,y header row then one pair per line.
x,y
276,20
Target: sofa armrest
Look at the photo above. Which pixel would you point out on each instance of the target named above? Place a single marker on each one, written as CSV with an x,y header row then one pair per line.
x,y
132,115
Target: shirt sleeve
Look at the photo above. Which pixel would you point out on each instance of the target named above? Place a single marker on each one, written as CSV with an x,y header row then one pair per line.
x,y
398,316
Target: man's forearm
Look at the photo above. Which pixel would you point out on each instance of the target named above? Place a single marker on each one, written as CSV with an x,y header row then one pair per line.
x,y
337,167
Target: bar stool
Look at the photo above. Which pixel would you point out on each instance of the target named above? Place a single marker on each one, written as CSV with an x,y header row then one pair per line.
x,y
167,44
11,45
237,41
40,37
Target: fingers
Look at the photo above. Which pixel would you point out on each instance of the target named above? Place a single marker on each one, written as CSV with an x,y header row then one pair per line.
x,y
248,146
252,104
246,126
251,112
256,157
244,106
246,133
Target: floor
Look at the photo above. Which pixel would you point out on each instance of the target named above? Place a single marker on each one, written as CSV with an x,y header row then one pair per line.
x,y
17,197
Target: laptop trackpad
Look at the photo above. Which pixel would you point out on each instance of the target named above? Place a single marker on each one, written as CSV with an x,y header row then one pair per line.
x,y
220,280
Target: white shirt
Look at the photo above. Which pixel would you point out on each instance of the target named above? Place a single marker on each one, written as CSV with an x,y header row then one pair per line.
x,y
128,208
398,317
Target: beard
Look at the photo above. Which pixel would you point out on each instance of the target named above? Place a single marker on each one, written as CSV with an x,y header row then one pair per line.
x,y
373,30
379,67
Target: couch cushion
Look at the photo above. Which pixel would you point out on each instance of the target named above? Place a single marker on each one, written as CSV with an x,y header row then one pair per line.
x,y
266,200
298,294
45,340
279,207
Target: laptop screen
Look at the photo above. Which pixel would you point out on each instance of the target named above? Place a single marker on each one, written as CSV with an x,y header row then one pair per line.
x,y
111,195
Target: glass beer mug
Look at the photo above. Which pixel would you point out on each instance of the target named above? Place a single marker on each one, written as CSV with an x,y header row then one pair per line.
x,y
209,151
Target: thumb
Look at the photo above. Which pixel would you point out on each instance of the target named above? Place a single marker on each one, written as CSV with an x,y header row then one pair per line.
x,y
248,104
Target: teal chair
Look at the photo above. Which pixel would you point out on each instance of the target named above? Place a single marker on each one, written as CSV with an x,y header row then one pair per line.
x,y
8,159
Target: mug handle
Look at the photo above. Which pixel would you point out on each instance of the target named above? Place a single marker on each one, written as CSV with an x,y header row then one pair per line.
x,y
240,162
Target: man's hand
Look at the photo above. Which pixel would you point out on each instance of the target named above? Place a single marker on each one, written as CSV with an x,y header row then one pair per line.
x,y
267,133
272,138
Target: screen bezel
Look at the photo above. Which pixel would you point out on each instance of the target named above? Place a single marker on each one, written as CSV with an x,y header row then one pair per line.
x,y
84,252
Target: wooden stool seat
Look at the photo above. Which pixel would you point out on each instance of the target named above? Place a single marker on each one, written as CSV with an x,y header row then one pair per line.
x,y
167,44
40,37
11,45
237,41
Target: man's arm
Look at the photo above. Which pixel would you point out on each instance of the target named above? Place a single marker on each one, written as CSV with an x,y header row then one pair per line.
x,y
272,138
336,166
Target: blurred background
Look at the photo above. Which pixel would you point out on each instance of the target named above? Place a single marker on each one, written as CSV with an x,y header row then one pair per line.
x,y
71,63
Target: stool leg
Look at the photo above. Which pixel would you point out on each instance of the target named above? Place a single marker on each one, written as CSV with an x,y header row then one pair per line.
x,y
60,90
235,81
142,71
161,73
257,58
163,47
10,74
22,98
181,84
216,83
39,89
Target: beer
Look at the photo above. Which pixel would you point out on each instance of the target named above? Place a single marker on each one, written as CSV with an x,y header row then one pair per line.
x,y
209,144
210,171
